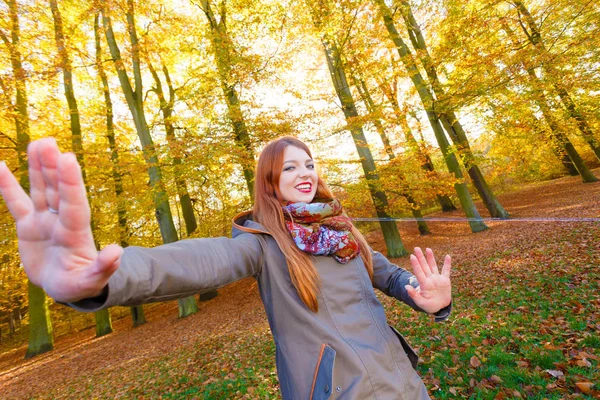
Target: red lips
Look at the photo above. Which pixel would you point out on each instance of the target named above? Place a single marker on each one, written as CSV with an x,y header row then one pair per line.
x,y
304,187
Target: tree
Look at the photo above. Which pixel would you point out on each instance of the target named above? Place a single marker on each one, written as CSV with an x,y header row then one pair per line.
x,y
390,92
475,221
222,49
103,322
372,109
448,117
166,107
535,38
134,98
137,312
40,325
565,147
395,247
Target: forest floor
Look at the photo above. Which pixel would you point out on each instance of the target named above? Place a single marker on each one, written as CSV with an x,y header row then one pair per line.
x,y
525,322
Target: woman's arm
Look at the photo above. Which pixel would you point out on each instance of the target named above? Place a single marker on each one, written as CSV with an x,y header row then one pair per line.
x,y
58,253
178,270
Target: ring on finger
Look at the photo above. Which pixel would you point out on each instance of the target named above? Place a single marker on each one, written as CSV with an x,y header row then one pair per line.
x,y
52,210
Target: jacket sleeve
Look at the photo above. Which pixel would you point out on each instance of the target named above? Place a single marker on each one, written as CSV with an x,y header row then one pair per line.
x,y
391,280
178,270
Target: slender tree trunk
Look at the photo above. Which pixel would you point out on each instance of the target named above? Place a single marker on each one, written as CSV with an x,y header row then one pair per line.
x,y
395,247
372,109
426,164
40,324
448,118
166,107
134,98
137,312
103,323
537,84
222,44
185,201
475,221
560,137
535,37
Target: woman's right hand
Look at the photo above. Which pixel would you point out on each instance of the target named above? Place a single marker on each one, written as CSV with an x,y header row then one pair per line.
x,y
53,226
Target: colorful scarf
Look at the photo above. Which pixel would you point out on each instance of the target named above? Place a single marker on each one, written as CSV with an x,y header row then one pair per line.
x,y
321,228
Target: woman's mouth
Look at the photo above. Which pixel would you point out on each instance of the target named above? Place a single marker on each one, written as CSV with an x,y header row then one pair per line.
x,y
304,187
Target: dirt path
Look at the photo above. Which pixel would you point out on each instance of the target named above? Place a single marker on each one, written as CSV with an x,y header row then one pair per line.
x,y
238,306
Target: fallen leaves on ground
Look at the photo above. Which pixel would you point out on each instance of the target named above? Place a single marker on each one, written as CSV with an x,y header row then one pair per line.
x,y
525,321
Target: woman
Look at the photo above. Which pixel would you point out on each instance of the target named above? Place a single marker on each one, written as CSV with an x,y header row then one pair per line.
x,y
315,271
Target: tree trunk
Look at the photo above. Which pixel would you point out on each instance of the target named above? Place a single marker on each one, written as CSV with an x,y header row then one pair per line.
x,y
103,322
535,37
560,136
363,90
40,325
221,44
134,98
137,312
395,247
137,315
426,164
448,118
103,316
185,201
475,221
166,107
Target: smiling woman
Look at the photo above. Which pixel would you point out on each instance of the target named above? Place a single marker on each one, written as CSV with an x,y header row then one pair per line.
x,y
315,271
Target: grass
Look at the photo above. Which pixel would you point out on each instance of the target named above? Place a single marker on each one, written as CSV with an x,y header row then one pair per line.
x,y
518,330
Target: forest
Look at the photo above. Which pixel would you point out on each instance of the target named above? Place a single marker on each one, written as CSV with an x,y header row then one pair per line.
x,y
421,115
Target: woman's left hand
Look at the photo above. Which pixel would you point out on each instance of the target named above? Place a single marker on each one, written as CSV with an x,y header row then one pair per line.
x,y
435,290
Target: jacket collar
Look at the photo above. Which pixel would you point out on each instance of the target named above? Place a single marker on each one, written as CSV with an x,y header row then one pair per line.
x,y
243,223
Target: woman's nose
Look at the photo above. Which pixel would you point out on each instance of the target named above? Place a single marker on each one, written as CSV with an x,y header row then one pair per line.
x,y
304,171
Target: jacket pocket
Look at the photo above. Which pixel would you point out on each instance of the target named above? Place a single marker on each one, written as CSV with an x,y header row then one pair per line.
x,y
410,353
323,378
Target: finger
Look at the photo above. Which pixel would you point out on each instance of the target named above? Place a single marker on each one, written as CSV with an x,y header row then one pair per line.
x,y
74,209
431,261
447,266
37,186
49,154
417,270
18,203
422,261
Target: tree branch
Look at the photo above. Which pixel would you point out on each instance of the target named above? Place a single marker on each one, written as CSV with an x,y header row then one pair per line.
x,y
9,138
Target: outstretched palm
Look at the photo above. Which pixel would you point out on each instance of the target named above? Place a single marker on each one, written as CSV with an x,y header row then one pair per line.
x,y
53,225
435,290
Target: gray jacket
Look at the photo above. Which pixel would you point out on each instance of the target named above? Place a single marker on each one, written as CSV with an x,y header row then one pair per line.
x,y
345,351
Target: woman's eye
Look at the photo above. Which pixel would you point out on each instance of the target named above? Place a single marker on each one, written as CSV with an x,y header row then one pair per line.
x,y
310,166
288,168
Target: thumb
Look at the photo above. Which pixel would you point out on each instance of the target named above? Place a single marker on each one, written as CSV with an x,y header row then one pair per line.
x,y
109,259
412,292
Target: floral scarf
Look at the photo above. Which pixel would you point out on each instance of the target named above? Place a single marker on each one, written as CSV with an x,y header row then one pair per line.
x,y
321,228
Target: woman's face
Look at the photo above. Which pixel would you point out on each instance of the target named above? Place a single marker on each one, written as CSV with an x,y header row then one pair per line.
x,y
298,179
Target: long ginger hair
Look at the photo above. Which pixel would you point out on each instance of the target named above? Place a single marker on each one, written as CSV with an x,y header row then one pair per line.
x,y
269,213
